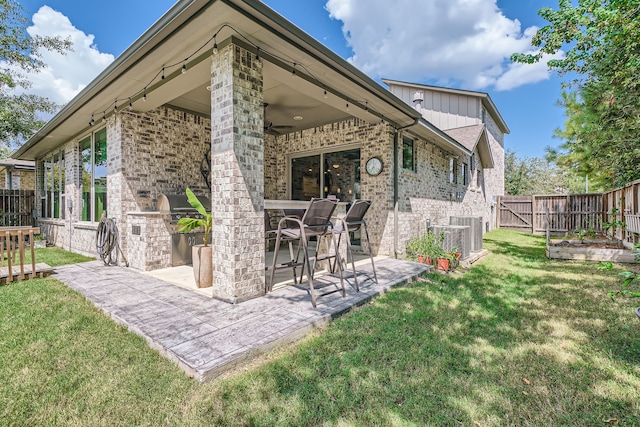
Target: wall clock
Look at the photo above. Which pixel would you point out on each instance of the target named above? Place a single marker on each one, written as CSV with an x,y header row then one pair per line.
x,y
374,166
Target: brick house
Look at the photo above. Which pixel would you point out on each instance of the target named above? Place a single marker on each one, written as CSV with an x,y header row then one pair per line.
x,y
17,174
232,89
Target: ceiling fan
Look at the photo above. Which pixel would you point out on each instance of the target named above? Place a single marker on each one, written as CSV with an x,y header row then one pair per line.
x,y
272,129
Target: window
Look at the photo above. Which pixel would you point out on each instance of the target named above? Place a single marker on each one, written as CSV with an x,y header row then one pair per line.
x,y
408,154
53,186
328,174
93,170
476,179
465,174
453,171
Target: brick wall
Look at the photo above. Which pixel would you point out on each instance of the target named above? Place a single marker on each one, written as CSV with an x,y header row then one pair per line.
x,y
237,172
373,140
423,194
150,248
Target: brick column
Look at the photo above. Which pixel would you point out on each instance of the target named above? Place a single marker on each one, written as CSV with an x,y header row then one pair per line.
x,y
237,175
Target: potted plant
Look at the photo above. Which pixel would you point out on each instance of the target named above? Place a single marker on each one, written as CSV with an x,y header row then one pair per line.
x,y
414,249
202,254
454,255
432,246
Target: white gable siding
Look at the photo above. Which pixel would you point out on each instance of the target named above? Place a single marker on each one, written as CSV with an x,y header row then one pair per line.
x,y
445,110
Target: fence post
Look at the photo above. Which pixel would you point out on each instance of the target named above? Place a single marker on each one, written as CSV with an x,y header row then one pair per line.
x,y
533,214
568,213
548,228
498,211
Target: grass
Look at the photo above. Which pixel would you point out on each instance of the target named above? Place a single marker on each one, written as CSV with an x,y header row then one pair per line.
x,y
52,256
517,340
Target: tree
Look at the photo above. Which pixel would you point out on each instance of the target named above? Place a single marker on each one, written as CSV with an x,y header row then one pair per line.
x,y
527,176
602,93
19,55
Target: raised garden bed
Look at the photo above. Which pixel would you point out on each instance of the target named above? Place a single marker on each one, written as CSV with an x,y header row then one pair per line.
x,y
589,250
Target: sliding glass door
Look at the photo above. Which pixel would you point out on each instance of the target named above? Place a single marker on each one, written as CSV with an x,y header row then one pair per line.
x,y
333,174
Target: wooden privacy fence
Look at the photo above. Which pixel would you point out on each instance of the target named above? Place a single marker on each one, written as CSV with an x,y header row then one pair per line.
x,y
623,204
566,212
16,208
573,212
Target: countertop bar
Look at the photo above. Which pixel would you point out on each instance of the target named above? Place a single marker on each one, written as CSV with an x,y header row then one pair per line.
x,y
293,204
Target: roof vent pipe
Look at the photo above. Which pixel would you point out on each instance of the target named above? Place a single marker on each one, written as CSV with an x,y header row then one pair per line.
x,y
418,97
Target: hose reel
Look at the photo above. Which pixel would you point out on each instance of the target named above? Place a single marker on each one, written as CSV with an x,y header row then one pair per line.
x,y
107,242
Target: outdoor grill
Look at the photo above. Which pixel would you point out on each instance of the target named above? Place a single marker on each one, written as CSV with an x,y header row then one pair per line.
x,y
181,243
179,207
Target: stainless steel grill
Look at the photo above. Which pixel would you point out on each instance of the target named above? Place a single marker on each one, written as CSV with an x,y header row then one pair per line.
x,y
179,207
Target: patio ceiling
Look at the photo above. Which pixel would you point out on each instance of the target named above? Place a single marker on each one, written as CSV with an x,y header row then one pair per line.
x,y
183,33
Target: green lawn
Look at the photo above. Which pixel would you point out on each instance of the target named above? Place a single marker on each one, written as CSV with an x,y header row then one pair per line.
x,y
517,340
52,256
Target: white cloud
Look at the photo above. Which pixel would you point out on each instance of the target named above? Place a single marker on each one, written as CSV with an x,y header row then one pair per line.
x,y
521,74
446,41
65,75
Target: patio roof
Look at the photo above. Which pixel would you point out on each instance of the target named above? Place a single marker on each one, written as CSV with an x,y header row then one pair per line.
x,y
184,36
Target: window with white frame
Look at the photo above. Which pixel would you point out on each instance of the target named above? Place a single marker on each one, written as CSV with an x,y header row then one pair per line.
x,y
53,177
93,172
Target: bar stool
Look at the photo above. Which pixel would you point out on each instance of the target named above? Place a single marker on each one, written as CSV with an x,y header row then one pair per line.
x,y
351,223
316,222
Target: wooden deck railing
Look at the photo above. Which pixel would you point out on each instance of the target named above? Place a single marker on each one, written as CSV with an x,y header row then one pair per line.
x,y
14,240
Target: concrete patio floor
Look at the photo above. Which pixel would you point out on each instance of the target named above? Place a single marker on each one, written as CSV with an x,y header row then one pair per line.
x,y
206,337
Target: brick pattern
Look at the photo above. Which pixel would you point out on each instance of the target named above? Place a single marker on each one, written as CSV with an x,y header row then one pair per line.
x,y
80,237
153,153
424,194
157,152
27,179
237,171
494,178
151,249
375,140
160,152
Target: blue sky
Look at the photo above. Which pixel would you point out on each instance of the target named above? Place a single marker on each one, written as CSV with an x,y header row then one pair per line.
x,y
455,43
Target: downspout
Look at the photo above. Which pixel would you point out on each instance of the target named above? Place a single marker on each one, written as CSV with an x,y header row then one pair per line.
x,y
396,179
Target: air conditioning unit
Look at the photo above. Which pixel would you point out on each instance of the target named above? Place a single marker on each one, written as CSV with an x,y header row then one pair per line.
x,y
475,225
458,236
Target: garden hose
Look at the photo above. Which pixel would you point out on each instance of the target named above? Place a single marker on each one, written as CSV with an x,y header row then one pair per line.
x,y
107,244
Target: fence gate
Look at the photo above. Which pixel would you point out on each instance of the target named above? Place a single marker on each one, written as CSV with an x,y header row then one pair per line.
x,y
567,212
515,212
